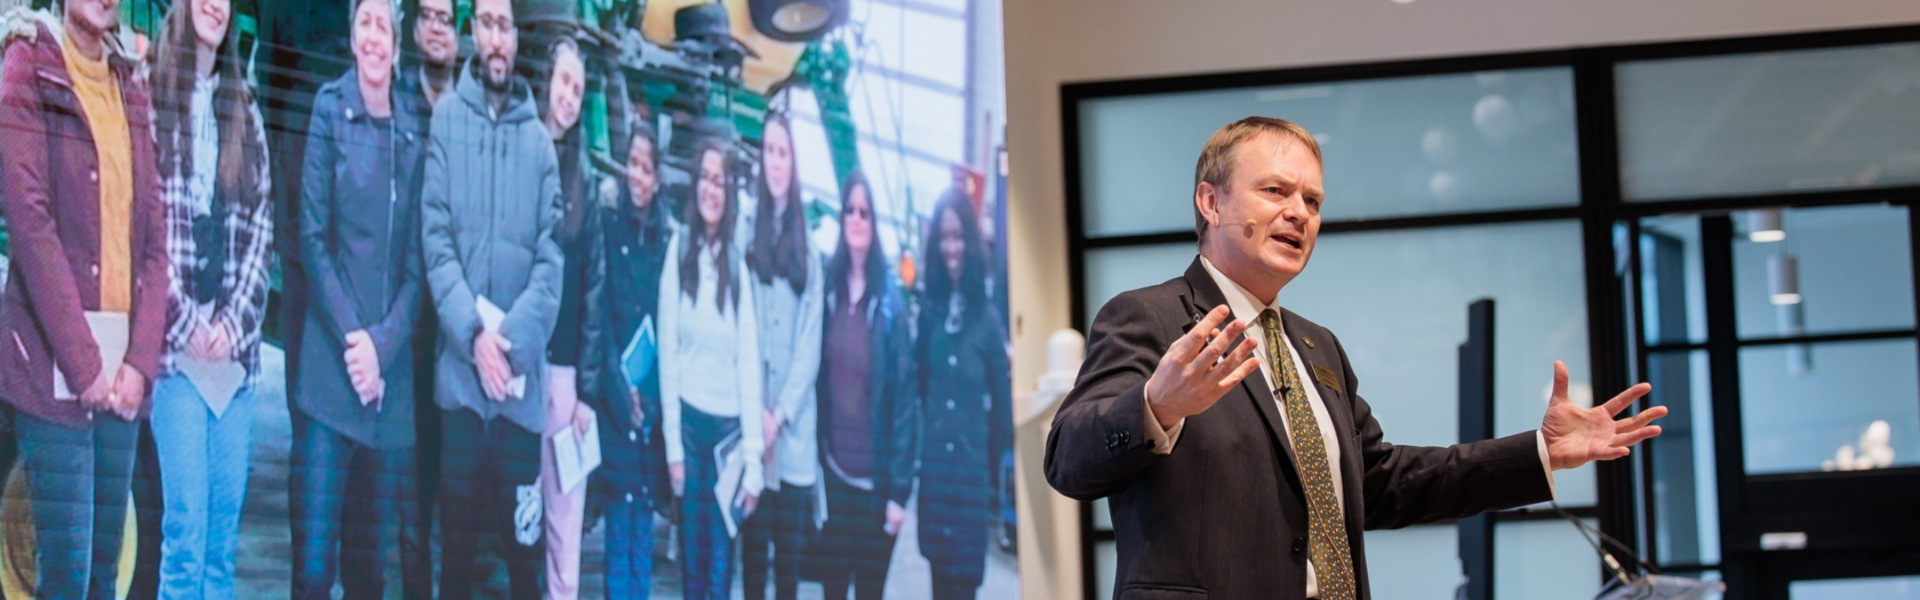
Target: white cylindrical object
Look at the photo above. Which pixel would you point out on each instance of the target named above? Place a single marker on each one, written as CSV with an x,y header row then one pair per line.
x,y
1783,279
1765,226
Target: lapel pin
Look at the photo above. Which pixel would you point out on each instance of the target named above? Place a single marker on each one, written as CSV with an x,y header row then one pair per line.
x,y
1308,341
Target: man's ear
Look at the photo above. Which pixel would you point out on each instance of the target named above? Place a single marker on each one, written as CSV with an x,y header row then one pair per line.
x,y
1206,198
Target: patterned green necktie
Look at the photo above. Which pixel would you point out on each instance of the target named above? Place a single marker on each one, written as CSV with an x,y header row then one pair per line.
x,y
1326,528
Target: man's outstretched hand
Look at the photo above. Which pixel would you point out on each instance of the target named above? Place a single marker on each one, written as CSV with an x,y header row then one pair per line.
x,y
1576,436
1200,367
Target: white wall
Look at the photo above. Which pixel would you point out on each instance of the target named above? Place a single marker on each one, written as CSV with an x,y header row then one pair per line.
x,y
1050,42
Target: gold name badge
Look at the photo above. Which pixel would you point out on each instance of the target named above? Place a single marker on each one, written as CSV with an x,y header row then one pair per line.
x,y
1326,378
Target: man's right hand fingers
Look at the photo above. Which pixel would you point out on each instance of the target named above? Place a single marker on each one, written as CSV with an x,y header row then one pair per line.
x,y
1195,340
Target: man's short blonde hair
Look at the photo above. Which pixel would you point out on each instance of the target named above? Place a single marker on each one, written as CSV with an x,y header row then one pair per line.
x,y
1216,158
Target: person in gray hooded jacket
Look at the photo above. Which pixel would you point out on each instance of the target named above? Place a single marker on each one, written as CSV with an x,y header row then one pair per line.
x,y
489,206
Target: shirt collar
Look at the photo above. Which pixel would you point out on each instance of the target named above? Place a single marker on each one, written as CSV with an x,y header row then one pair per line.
x,y
1244,305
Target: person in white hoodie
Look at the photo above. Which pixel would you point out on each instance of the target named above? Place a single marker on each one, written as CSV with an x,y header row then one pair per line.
x,y
787,289
710,379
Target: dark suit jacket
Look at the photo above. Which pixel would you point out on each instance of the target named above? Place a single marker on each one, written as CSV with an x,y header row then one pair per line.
x,y
1224,515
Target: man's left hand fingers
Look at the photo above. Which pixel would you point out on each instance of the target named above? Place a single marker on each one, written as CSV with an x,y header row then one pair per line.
x,y
1636,436
1626,398
1639,420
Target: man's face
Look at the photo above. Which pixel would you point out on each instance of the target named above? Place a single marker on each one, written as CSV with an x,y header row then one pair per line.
x,y
1265,219
496,40
97,16
433,32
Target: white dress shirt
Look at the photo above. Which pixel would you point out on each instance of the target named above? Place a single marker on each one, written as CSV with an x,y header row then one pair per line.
x,y
1247,308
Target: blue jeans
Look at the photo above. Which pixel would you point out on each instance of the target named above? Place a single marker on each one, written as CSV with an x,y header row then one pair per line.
x,y
78,479
706,552
346,499
629,549
203,478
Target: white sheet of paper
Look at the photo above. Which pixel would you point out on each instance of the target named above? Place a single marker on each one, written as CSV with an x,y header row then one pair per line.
x,y
733,473
491,317
576,455
217,381
110,331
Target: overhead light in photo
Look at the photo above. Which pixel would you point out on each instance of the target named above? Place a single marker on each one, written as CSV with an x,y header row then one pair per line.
x,y
1783,279
797,20
1764,226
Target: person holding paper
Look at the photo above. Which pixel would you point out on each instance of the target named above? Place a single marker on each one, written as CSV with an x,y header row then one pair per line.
x,y
216,181
565,508
352,485
710,379
968,418
787,289
626,249
490,204
869,420
83,324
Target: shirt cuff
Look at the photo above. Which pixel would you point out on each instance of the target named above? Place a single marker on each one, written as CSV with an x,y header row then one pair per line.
x,y
1164,438
1546,464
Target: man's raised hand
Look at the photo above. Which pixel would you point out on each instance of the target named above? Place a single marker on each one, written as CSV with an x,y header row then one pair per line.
x,y
1192,375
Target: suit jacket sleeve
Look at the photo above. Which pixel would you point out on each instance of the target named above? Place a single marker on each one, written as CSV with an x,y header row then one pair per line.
x,y
1410,485
1097,443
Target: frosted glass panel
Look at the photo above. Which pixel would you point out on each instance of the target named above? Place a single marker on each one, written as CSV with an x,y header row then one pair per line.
x,y
1544,560
1105,559
1798,422
1882,588
1671,280
1416,563
1774,122
1393,147
1110,271
1685,494
1855,272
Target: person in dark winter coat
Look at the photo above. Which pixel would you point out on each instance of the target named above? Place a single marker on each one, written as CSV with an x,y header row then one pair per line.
x,y
490,205
966,414
626,250
869,409
353,402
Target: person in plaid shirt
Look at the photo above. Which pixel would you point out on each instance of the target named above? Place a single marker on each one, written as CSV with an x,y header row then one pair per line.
x,y
214,186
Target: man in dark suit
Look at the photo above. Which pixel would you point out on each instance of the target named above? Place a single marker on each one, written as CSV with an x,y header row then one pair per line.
x,y
1229,434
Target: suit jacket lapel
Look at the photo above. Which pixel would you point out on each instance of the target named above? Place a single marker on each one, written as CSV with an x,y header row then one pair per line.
x,y
1207,295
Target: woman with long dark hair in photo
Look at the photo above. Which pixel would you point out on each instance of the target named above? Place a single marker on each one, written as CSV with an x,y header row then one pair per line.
x,y
352,481
787,290
868,415
710,381
626,253
564,508
215,185
967,418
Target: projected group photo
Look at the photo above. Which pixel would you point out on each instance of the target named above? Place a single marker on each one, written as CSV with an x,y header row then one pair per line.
x,y
419,299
